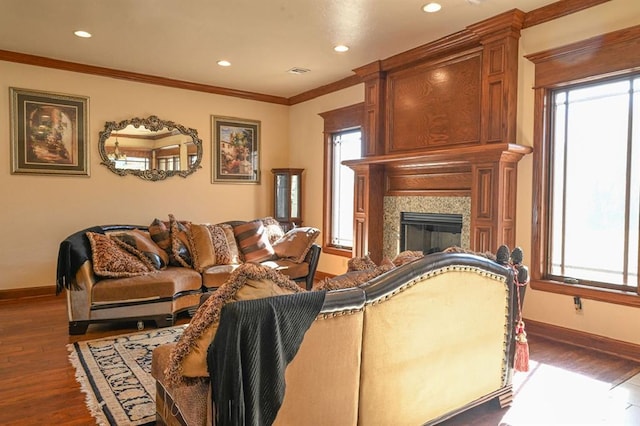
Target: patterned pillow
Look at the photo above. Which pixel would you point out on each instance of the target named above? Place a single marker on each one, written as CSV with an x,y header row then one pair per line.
x,y
253,241
407,256
160,234
141,240
112,258
360,264
209,246
234,252
273,229
295,244
351,279
180,250
188,361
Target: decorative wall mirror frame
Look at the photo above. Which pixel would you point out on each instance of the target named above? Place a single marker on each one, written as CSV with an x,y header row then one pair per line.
x,y
150,148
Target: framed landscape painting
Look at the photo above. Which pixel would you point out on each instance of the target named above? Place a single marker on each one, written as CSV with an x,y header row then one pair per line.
x,y
49,133
236,150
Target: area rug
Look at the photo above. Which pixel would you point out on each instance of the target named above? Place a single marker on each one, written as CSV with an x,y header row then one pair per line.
x,y
115,375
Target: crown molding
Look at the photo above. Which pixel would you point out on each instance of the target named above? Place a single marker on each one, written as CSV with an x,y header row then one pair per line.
x,y
42,61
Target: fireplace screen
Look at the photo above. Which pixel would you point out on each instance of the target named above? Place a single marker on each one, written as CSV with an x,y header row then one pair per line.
x,y
429,232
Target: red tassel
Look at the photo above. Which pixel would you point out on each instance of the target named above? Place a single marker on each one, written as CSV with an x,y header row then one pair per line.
x,y
521,361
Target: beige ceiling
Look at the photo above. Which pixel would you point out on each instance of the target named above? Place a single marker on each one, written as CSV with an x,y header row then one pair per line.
x,y
183,39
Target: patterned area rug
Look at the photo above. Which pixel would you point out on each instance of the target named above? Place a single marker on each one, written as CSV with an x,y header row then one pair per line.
x,y
115,374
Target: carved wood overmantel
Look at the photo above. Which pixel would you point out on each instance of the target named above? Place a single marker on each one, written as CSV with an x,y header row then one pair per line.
x,y
441,120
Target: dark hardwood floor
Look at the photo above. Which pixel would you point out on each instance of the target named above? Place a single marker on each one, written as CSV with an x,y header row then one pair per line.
x,y
565,385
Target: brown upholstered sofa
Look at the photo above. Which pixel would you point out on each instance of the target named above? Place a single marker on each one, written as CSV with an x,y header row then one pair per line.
x,y
414,345
158,281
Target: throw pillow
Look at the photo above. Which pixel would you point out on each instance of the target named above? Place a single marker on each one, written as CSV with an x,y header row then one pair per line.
x,y
351,279
295,244
456,249
209,246
406,257
273,229
188,359
360,264
180,250
141,240
160,234
253,241
112,258
234,252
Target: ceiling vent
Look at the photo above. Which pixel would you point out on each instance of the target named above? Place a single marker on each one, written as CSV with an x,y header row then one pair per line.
x,y
297,70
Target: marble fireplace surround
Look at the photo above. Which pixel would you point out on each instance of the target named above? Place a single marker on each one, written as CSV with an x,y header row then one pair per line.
x,y
394,205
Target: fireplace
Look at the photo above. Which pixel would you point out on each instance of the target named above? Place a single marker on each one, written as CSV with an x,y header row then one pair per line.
x,y
429,232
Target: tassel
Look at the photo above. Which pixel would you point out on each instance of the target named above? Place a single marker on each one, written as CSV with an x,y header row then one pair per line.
x,y
521,362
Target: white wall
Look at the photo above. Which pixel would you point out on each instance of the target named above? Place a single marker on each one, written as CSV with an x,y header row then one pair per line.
x,y
38,212
614,321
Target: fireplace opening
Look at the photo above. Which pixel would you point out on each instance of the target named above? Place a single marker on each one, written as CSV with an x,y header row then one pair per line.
x,y
429,232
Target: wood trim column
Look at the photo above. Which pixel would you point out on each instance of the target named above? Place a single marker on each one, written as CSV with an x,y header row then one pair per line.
x,y
374,107
499,37
367,214
493,205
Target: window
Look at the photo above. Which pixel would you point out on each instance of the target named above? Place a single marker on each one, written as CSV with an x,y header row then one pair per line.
x,y
342,141
594,184
346,145
586,169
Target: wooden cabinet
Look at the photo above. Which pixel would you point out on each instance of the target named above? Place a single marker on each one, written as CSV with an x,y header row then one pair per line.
x,y
287,197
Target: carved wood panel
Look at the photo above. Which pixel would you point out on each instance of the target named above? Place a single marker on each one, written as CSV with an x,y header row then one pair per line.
x,y
435,105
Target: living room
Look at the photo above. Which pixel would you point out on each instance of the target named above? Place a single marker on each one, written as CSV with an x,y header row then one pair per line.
x,y
40,211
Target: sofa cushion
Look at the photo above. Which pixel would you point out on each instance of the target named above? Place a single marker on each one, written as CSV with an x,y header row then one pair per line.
x,y
253,241
141,240
111,259
295,244
180,250
160,285
248,281
209,246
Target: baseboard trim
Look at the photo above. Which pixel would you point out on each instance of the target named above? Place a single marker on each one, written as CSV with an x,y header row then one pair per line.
x,y
19,293
586,340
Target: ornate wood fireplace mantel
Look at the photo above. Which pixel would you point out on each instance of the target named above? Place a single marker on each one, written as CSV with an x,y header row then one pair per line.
x,y
441,120
486,173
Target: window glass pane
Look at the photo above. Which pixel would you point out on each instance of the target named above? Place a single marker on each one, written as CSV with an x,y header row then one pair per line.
x,y
346,146
634,201
589,183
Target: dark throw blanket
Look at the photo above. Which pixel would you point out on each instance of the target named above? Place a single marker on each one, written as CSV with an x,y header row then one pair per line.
x,y
73,252
255,341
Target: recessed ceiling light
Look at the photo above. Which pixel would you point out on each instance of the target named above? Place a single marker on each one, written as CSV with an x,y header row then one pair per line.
x,y
431,7
341,48
224,63
83,34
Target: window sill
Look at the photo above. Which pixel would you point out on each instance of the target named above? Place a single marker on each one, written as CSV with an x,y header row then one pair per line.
x,y
601,295
337,251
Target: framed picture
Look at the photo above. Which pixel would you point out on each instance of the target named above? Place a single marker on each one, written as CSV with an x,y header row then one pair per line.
x,y
236,150
49,133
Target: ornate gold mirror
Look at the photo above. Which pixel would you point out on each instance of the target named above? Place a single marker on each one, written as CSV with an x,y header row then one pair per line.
x,y
150,148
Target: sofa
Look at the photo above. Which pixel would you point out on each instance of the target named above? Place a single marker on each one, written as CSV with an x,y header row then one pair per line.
x,y
154,272
416,344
